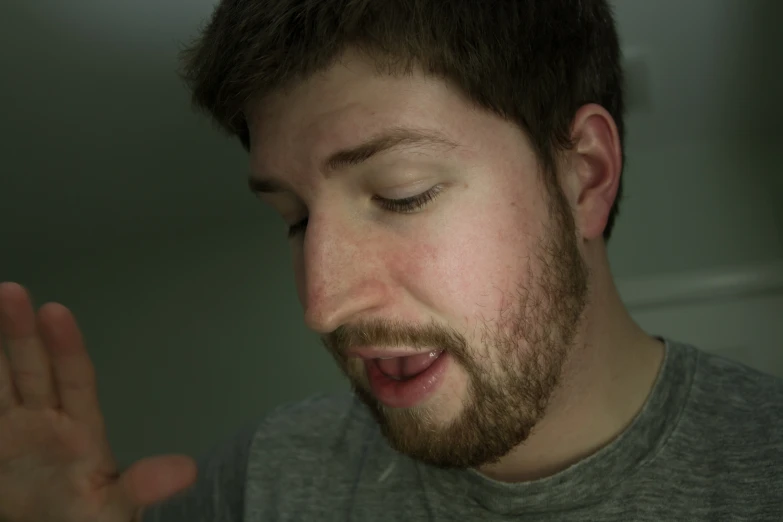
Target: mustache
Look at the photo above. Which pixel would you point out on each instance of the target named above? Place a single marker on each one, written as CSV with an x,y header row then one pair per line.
x,y
394,334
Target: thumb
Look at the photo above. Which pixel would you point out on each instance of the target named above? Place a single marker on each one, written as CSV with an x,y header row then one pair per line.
x,y
155,479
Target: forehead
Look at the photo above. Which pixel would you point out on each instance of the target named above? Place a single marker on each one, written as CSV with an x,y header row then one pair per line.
x,y
293,131
343,105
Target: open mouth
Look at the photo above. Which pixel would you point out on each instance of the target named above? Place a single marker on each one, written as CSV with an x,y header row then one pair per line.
x,y
407,368
403,382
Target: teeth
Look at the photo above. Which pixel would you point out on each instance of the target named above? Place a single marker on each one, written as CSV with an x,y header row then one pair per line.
x,y
434,353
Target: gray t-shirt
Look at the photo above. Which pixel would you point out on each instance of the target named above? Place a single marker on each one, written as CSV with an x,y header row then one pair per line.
x,y
708,445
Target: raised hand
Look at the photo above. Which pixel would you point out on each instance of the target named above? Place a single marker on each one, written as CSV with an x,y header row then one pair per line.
x,y
55,460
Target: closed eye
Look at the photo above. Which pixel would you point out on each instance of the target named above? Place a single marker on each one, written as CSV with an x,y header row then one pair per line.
x,y
411,204
402,206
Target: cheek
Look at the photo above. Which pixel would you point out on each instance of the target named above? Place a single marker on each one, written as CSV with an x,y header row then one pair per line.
x,y
461,281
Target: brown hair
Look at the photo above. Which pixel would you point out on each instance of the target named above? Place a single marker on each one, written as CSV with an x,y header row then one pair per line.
x,y
533,62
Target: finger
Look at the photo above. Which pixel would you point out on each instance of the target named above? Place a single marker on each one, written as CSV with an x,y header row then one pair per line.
x,y
152,480
74,374
29,363
8,395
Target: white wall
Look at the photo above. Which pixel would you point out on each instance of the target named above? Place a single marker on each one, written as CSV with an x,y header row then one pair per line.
x,y
735,312
692,205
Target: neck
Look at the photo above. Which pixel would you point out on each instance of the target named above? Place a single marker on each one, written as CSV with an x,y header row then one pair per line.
x,y
605,383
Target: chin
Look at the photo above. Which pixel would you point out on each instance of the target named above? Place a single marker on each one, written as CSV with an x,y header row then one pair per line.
x,y
446,406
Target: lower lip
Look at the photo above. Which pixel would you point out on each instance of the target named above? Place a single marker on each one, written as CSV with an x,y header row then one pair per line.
x,y
406,394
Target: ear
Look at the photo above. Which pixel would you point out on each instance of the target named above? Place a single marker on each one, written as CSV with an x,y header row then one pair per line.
x,y
592,177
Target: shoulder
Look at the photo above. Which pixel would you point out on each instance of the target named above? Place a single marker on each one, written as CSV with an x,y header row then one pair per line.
x,y
318,414
730,388
320,426
737,407
278,451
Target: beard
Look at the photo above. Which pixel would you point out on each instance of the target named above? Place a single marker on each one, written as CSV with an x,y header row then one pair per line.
x,y
513,371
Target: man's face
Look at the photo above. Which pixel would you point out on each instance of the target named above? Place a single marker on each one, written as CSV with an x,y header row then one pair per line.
x,y
485,275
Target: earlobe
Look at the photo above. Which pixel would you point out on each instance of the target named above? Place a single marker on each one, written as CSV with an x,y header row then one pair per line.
x,y
597,165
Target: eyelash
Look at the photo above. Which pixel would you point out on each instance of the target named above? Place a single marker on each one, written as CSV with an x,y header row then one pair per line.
x,y
401,206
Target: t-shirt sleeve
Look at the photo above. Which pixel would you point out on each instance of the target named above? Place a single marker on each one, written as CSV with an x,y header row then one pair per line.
x,y
218,495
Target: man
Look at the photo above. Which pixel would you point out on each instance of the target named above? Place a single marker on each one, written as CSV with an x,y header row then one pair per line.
x,y
449,173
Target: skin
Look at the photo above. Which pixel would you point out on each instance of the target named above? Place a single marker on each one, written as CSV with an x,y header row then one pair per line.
x,y
514,283
55,459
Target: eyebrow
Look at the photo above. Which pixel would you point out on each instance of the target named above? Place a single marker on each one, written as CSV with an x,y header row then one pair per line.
x,y
396,138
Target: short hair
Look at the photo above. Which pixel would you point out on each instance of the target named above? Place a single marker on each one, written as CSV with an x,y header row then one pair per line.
x,y
531,62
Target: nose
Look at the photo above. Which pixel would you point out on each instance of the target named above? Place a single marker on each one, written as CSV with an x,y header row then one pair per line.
x,y
341,272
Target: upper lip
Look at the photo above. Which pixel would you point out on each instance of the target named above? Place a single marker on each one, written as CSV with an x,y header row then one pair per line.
x,y
379,353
